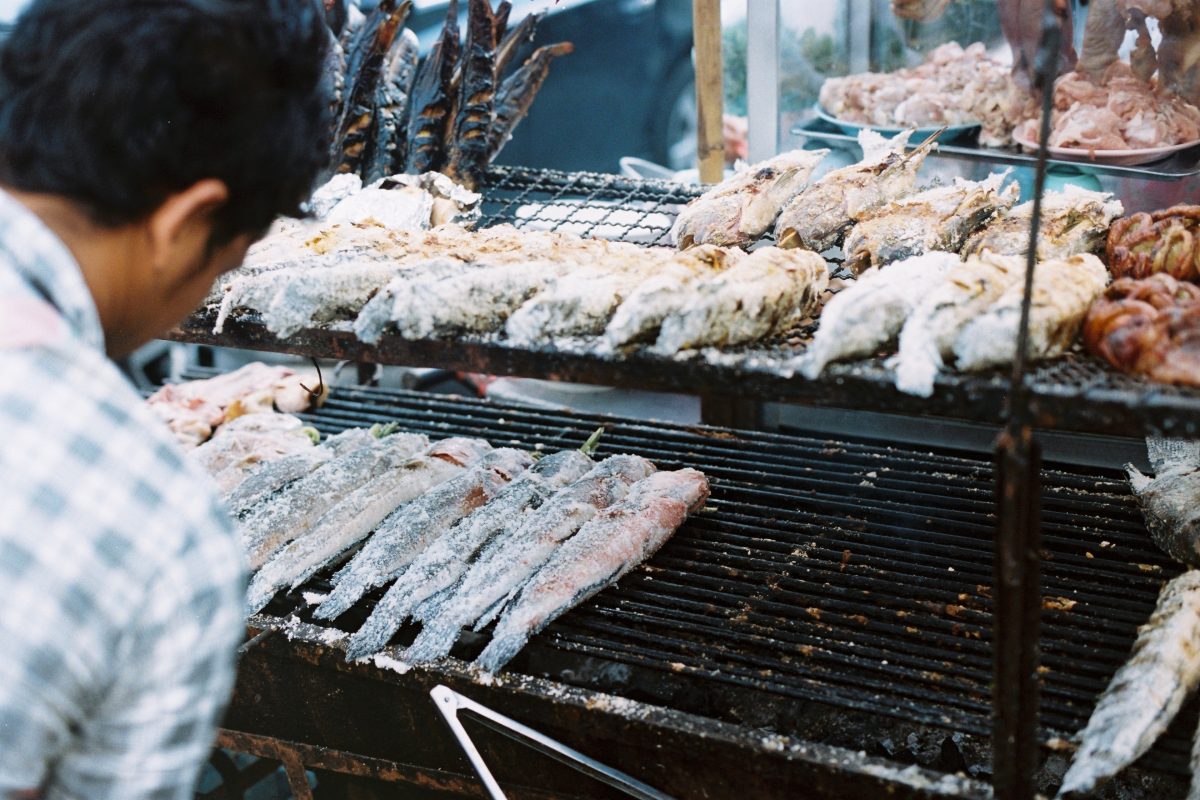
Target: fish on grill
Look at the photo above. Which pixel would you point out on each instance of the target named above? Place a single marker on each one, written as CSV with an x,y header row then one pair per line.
x,y
639,317
241,444
870,312
432,99
1073,221
385,153
1146,692
764,294
936,219
516,93
618,539
270,525
353,518
507,561
742,208
1063,290
272,476
445,561
405,534
468,145
1168,500
964,293
821,214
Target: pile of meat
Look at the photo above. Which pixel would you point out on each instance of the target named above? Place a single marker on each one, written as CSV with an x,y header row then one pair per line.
x,y
1120,112
1161,241
1148,327
954,86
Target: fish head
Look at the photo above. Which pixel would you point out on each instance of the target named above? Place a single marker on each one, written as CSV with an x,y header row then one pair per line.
x,y
508,462
459,450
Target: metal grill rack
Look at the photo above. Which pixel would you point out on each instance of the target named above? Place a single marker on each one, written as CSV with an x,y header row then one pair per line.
x,y
830,586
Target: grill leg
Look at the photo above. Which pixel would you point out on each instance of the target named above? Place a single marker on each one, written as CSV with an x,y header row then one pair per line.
x,y
297,777
1017,614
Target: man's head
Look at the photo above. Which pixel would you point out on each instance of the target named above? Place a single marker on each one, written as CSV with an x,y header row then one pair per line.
x,y
159,138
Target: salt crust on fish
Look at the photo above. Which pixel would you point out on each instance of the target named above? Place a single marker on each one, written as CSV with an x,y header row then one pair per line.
x,y
1073,221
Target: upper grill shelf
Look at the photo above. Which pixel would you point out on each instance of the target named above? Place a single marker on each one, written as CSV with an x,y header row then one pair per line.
x,y
1075,393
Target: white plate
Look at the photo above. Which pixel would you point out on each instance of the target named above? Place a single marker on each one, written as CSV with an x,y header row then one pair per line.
x,y
1119,158
919,135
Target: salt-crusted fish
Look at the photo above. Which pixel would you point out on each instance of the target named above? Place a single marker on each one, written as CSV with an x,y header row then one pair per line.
x,y
821,214
742,208
965,292
240,445
1074,221
1170,501
445,561
766,293
270,525
604,550
272,476
512,557
1063,290
353,518
936,219
638,318
870,312
405,534
1145,693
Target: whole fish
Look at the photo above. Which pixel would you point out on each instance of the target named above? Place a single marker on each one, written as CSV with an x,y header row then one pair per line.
x,y
516,94
1073,221
468,140
1145,693
1169,500
764,294
386,146
445,561
359,512
935,219
742,208
243,443
432,101
405,534
870,312
513,39
605,549
1063,290
579,303
819,217
511,558
274,475
965,292
641,314
270,525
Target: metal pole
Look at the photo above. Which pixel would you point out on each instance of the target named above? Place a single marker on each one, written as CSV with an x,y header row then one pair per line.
x,y
762,78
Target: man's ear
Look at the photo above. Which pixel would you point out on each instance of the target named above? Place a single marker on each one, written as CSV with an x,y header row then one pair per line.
x,y
182,221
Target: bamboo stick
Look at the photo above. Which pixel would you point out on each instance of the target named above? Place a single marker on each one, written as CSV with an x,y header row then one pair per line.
x,y
706,32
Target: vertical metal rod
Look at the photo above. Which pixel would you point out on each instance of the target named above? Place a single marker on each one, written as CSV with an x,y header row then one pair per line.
x,y
762,78
710,144
1017,568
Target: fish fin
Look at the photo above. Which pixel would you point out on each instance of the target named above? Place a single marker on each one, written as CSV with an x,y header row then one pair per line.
x,y
1168,453
500,651
1137,480
434,641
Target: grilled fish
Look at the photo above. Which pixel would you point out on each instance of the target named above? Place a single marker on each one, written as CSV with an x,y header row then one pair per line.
x,y
274,475
935,219
819,217
386,148
514,38
1073,221
512,557
445,561
405,534
616,541
766,293
1169,499
468,143
641,314
516,93
269,526
742,208
432,100
577,304
869,313
242,444
931,330
1063,290
358,513
1146,692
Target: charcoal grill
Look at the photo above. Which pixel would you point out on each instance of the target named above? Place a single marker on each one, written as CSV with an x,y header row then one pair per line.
x,y
828,615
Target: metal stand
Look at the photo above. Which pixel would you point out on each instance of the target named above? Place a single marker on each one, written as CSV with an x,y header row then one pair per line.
x,y
1017,571
450,702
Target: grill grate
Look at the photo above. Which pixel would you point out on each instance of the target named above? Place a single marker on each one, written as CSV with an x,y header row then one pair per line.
x,y
842,575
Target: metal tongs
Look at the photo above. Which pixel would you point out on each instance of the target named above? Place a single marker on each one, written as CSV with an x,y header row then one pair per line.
x,y
450,702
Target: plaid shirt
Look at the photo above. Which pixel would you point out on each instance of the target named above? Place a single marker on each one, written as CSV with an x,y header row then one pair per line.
x,y
121,580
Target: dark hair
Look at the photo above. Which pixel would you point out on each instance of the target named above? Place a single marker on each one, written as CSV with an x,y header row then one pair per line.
x,y
116,104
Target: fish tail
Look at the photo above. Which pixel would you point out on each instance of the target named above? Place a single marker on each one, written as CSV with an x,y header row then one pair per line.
x,y
500,651
1137,480
1165,453
373,636
434,641
262,589
337,602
